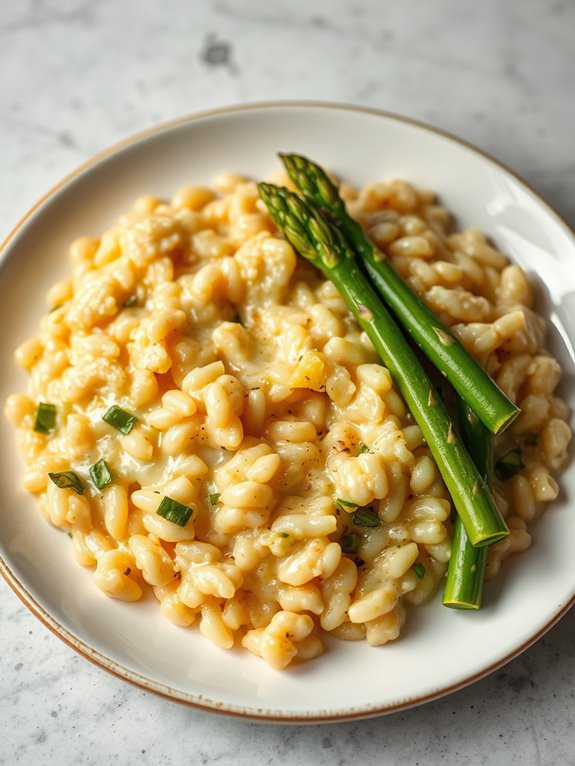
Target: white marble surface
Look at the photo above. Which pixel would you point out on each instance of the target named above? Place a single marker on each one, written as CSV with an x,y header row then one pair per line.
x,y
77,75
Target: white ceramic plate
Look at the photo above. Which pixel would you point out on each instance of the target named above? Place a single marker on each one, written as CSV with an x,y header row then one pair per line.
x,y
440,650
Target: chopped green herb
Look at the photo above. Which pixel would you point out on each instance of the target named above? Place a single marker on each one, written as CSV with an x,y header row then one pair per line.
x,y
349,543
365,517
119,419
509,465
214,498
68,480
100,474
283,534
419,570
531,440
45,418
346,503
362,449
130,302
175,512
56,307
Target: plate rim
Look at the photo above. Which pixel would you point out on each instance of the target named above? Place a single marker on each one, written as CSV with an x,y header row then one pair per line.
x,y
164,690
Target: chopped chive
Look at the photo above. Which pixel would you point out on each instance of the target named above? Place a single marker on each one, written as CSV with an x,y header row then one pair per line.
x,y
130,302
346,503
68,480
349,543
531,440
119,419
365,517
509,465
100,474
214,498
419,570
45,418
283,534
56,307
175,512
362,449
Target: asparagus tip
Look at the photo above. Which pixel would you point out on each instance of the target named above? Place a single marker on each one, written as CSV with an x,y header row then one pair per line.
x,y
312,180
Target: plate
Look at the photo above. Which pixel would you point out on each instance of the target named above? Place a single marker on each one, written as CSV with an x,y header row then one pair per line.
x,y
441,650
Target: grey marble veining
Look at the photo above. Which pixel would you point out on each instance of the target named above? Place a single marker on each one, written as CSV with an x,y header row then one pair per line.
x,y
79,75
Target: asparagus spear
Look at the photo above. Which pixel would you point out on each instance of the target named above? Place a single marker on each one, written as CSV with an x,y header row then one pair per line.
x,y
464,584
436,340
321,243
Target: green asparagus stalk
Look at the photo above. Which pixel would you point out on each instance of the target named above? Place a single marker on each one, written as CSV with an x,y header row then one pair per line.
x,y
466,571
321,243
437,341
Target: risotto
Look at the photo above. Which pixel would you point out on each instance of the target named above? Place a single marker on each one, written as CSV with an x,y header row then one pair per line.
x,y
207,420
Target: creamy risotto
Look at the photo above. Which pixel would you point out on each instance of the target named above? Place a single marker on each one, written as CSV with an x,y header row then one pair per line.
x,y
207,420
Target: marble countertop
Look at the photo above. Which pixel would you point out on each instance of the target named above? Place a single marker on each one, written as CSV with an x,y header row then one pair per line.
x,y
78,76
